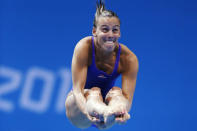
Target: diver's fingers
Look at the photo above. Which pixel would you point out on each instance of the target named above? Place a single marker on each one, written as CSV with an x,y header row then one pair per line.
x,y
93,118
121,118
110,117
127,116
120,121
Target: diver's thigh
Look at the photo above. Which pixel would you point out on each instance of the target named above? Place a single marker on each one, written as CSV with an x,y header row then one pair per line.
x,y
74,114
115,91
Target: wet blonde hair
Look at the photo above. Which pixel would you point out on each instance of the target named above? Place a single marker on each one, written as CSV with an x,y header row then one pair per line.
x,y
102,11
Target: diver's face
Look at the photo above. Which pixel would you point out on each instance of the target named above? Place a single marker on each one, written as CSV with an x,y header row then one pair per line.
x,y
107,33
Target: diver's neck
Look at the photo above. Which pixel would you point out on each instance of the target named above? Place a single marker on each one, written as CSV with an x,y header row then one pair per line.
x,y
103,54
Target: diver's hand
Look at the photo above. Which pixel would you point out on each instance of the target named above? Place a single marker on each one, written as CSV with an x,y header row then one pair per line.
x,y
95,108
120,113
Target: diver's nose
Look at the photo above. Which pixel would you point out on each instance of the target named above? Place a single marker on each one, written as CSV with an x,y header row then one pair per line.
x,y
110,35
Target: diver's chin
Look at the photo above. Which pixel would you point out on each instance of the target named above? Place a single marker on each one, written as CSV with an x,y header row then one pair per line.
x,y
109,48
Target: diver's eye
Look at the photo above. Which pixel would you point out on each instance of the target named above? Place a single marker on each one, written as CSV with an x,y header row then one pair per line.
x,y
115,30
105,30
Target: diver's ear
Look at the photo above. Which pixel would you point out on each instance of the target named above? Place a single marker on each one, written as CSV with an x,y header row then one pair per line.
x,y
94,31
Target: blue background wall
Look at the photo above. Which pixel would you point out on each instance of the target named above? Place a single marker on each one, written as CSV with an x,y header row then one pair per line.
x,y
37,38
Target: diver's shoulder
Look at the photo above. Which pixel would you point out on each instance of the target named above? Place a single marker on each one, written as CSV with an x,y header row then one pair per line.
x,y
125,50
84,43
86,40
127,53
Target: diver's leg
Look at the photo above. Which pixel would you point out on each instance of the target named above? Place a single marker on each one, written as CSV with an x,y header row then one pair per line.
x,y
113,100
76,117
95,105
97,108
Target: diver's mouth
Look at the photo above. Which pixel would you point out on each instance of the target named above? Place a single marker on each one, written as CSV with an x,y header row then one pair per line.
x,y
109,40
109,44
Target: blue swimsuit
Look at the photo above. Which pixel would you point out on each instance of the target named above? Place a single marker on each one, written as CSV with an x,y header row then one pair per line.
x,y
98,78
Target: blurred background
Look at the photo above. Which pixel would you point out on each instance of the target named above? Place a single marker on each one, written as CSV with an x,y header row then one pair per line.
x,y
37,38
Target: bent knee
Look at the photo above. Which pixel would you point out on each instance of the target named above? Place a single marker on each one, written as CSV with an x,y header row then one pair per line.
x,y
94,92
115,88
114,91
96,89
